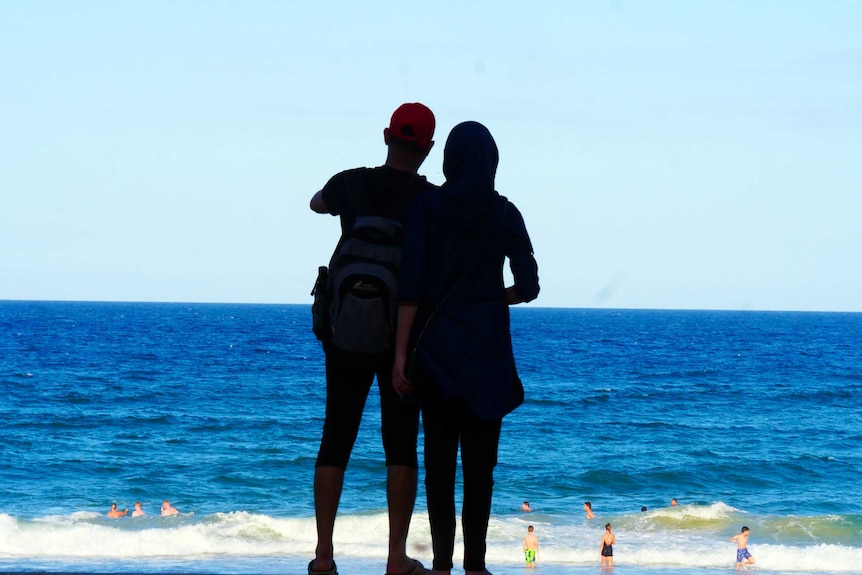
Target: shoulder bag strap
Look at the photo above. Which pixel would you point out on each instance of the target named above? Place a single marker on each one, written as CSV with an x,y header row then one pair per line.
x,y
454,287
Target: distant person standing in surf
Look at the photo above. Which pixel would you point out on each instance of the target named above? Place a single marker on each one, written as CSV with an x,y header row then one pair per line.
x,y
606,550
531,547
743,557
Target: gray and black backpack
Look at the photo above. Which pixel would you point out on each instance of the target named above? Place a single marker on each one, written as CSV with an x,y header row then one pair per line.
x,y
354,307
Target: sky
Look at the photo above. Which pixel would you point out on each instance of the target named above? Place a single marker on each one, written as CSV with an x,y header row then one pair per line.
x,y
666,154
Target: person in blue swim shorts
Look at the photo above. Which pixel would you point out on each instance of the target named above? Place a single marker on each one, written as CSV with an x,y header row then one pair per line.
x,y
743,557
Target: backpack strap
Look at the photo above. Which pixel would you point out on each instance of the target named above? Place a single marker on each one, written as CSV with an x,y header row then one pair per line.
x,y
357,202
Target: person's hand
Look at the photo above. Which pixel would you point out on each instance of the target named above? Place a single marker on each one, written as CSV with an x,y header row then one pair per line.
x,y
399,379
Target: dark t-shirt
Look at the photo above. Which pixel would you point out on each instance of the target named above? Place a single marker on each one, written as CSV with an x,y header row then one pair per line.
x,y
381,191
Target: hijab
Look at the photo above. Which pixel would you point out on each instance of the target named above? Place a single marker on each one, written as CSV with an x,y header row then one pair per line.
x,y
470,164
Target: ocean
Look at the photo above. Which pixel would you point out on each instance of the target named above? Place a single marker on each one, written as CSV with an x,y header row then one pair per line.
x,y
746,418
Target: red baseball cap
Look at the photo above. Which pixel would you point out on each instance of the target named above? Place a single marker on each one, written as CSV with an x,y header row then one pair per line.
x,y
413,122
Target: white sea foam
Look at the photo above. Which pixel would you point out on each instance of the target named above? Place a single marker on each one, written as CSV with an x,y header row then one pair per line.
x,y
238,537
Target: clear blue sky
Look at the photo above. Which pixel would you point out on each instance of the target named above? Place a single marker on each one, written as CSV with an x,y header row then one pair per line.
x,y
664,154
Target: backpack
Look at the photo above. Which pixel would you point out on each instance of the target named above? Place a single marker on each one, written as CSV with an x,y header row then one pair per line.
x,y
354,307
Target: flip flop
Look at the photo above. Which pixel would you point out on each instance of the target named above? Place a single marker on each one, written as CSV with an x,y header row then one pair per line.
x,y
418,569
332,571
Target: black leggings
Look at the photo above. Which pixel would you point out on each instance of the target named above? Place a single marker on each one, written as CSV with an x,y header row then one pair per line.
x,y
347,389
448,423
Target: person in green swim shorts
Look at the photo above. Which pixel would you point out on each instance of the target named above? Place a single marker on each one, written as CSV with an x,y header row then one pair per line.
x,y
531,547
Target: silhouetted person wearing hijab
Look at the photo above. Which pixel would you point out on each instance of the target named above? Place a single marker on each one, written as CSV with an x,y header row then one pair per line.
x,y
453,307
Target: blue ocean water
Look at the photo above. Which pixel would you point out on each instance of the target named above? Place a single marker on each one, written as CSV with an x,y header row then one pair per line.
x,y
745,417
